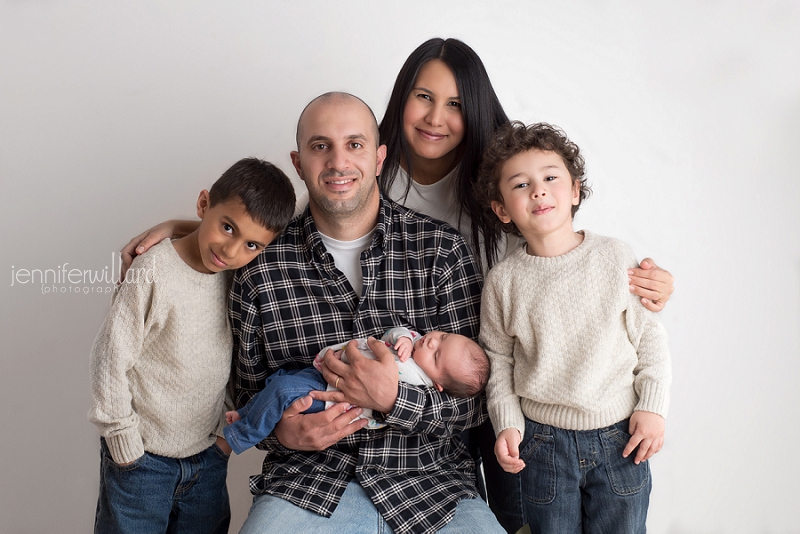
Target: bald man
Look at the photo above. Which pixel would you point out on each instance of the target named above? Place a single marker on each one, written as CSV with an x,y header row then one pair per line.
x,y
355,264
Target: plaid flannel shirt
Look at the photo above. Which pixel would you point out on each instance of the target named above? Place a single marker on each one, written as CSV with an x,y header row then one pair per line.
x,y
292,301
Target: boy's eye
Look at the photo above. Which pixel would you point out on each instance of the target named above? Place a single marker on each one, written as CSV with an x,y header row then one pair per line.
x,y
549,178
520,185
227,228
251,246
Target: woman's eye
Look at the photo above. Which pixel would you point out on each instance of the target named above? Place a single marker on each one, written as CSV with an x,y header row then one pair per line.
x,y
424,96
454,104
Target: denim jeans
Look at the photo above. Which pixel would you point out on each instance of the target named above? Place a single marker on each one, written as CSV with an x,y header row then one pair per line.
x,y
578,481
160,494
355,514
265,409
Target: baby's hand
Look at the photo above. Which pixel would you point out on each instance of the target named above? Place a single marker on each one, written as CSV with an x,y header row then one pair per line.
x,y
403,348
232,417
506,448
647,432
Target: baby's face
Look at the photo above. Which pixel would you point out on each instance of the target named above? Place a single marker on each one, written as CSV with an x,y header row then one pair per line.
x,y
439,354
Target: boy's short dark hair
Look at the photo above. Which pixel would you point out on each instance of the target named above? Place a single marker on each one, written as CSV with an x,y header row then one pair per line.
x,y
516,138
474,375
264,189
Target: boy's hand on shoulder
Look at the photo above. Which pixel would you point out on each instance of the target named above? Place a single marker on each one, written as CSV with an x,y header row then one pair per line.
x,y
647,433
403,348
506,448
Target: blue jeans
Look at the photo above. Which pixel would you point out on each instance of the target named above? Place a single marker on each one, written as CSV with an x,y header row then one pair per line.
x,y
266,408
578,481
160,494
355,515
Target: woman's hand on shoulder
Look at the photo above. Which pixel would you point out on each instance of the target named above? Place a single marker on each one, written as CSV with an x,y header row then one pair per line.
x,y
652,283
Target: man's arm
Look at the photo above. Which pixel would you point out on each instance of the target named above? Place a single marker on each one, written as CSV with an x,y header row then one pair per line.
x,y
295,431
374,384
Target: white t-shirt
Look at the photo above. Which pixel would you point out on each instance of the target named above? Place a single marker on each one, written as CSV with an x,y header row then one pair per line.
x,y
347,257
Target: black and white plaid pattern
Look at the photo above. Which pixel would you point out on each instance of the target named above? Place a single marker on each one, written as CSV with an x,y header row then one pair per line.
x,y
292,301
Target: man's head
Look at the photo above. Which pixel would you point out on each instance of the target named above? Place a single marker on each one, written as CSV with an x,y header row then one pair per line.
x,y
245,210
455,363
338,157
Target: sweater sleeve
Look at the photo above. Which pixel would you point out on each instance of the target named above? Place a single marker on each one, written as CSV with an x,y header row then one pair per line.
x,y
653,372
502,400
114,353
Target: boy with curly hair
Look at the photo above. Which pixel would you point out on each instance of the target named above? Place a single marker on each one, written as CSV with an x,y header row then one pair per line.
x,y
580,370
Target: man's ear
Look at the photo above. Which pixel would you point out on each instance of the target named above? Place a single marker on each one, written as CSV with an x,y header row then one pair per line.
x,y
295,155
500,211
380,158
203,203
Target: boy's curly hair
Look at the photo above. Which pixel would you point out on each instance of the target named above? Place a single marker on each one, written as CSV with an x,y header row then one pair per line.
x,y
516,138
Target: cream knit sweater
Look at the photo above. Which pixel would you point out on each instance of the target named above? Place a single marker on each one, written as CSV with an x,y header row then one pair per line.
x,y
161,362
569,345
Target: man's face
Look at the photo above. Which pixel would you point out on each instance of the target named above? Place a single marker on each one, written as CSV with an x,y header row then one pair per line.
x,y
338,157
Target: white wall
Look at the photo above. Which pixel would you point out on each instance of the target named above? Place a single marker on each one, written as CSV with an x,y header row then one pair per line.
x,y
113,115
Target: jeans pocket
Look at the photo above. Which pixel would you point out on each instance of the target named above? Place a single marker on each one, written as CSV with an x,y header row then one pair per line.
x,y
626,477
537,450
106,455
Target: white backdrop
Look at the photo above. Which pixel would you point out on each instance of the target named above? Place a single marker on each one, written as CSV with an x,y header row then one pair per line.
x,y
113,115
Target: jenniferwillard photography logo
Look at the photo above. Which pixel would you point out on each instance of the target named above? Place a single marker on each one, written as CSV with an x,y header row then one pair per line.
x,y
67,279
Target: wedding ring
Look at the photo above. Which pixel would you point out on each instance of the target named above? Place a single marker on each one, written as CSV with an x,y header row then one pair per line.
x,y
336,385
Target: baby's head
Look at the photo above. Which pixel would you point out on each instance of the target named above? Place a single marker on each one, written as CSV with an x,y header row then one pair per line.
x,y
455,363
250,204
513,141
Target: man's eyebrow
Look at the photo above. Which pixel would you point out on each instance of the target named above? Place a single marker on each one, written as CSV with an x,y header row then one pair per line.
x,y
317,138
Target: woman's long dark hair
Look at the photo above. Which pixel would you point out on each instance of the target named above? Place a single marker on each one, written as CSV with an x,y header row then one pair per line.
x,y
482,114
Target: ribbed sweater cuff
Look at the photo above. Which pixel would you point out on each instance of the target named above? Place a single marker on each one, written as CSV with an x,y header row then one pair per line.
x,y
125,446
507,416
654,397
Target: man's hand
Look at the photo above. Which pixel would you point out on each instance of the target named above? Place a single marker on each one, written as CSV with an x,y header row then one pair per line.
x,y
652,283
506,448
647,432
316,431
363,382
403,348
142,242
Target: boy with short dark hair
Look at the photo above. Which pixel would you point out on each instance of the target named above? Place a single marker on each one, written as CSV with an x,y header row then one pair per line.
x,y
580,370
162,359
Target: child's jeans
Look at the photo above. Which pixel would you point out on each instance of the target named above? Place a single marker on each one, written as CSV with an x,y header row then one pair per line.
x,y
160,494
578,481
265,409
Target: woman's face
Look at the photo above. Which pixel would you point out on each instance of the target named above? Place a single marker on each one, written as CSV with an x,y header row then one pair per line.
x,y
432,121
